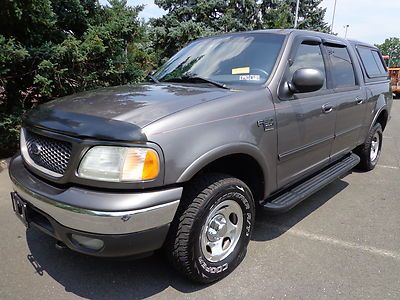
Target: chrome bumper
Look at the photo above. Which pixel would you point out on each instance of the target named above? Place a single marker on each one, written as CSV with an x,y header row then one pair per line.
x,y
96,212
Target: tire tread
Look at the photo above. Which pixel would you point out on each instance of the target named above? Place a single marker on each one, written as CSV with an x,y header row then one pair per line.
x,y
195,196
363,151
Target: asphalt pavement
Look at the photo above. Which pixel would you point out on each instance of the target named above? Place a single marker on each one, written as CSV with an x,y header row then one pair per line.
x,y
343,242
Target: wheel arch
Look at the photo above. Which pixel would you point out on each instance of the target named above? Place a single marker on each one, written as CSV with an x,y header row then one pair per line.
x,y
244,161
382,118
381,113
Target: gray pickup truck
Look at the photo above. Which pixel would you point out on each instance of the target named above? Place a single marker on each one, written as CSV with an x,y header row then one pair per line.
x,y
230,125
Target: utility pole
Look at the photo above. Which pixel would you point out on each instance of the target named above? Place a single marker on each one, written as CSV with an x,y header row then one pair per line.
x,y
347,27
333,16
296,18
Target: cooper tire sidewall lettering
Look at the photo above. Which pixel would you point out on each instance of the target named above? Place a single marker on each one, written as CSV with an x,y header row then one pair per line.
x,y
241,195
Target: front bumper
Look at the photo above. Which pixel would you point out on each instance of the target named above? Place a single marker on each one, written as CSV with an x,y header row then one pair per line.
x,y
127,223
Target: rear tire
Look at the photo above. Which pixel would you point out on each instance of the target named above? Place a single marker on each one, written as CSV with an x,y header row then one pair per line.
x,y
210,233
370,151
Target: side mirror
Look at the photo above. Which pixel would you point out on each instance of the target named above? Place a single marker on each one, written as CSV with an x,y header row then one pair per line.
x,y
306,81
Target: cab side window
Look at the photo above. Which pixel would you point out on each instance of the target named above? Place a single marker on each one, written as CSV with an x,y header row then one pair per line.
x,y
308,56
372,62
342,67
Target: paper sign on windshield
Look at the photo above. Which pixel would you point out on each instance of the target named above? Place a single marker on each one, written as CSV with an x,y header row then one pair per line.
x,y
244,70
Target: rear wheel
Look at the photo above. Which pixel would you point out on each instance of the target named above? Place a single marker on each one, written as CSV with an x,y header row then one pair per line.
x,y
370,151
212,229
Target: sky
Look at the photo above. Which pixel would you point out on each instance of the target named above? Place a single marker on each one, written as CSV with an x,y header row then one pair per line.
x,y
370,21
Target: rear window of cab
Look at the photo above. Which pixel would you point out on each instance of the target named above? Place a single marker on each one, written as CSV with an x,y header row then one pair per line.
x,y
372,61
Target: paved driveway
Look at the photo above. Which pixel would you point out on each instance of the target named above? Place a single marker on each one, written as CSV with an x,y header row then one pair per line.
x,y
343,242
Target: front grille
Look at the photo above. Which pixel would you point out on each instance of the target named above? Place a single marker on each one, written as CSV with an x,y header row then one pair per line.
x,y
48,153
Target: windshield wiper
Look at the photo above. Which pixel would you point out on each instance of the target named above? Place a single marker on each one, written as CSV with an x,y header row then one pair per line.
x,y
154,79
196,78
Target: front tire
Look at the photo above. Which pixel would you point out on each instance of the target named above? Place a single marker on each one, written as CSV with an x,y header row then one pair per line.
x,y
209,236
370,151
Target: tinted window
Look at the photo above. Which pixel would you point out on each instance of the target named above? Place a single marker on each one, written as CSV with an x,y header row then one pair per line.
x,y
308,56
241,59
379,62
370,62
342,67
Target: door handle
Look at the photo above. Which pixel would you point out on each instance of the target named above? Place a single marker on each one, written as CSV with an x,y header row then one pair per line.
x,y
327,108
359,100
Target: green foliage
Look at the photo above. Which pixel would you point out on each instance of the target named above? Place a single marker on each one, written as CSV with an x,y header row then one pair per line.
x,y
50,48
281,14
391,47
9,133
311,15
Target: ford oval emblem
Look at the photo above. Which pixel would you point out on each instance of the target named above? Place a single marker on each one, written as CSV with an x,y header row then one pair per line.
x,y
36,148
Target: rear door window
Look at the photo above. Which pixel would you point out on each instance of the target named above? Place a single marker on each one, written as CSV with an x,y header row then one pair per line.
x,y
342,67
372,62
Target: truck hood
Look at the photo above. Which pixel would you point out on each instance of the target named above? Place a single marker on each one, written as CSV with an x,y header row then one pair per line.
x,y
118,113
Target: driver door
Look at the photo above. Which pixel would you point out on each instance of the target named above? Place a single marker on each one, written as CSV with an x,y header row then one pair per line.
x,y
305,121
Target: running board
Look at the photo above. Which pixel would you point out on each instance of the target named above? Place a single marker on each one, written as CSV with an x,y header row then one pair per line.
x,y
294,196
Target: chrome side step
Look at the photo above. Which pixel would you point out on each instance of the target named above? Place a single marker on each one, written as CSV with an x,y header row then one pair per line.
x,y
284,202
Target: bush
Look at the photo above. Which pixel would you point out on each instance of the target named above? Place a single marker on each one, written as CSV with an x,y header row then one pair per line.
x,y
9,133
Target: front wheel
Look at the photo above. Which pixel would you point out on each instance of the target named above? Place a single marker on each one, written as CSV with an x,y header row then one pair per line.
x,y
212,229
370,151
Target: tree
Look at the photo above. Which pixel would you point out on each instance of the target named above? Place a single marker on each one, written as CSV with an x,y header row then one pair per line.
x,y
391,47
311,15
281,14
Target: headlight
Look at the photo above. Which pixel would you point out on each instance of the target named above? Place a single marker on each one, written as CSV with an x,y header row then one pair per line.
x,y
109,163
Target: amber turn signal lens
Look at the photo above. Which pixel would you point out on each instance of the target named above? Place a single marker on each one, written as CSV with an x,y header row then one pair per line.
x,y
140,164
151,167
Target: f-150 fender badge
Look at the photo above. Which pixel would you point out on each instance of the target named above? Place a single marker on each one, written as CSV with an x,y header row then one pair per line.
x,y
267,124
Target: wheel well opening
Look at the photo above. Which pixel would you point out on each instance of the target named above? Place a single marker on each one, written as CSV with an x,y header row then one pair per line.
x,y
382,119
243,167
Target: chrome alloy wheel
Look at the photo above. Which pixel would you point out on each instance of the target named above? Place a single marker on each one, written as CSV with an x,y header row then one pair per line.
x,y
375,144
221,231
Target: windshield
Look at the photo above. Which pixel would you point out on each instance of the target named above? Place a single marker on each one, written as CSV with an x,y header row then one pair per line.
x,y
245,59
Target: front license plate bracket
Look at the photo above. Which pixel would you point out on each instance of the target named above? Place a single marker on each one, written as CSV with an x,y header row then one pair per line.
x,y
20,208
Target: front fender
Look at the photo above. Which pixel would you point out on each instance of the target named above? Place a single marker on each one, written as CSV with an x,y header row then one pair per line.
x,y
225,150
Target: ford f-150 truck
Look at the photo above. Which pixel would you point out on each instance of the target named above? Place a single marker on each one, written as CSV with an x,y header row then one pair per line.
x,y
231,125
